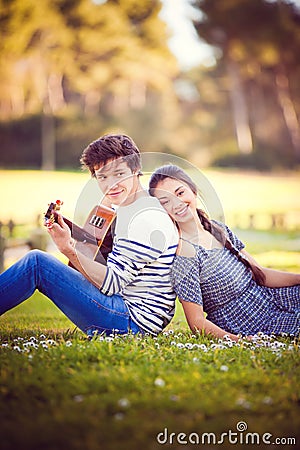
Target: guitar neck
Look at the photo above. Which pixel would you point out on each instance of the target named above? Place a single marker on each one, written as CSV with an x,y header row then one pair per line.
x,y
96,229
79,234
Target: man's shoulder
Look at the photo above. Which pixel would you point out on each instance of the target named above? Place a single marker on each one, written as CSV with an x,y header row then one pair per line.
x,y
146,221
150,213
145,210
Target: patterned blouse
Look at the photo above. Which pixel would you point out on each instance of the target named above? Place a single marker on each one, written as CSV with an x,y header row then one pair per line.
x,y
224,286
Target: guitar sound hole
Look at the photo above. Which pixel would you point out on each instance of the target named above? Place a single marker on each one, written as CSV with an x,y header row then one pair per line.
x,y
97,221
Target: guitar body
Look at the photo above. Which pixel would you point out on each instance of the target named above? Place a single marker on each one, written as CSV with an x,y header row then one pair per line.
x,y
94,239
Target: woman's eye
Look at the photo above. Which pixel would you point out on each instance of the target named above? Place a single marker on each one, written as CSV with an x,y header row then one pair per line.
x,y
164,202
120,174
180,192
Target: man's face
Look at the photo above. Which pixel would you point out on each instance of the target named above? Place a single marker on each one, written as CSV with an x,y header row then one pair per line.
x,y
117,181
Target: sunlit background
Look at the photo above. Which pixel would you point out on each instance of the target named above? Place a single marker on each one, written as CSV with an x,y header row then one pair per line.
x,y
215,83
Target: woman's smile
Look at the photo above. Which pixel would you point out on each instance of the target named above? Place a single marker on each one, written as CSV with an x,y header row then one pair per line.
x,y
183,211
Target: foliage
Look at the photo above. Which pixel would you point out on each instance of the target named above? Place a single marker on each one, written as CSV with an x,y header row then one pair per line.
x,y
71,70
260,75
56,52
21,138
82,61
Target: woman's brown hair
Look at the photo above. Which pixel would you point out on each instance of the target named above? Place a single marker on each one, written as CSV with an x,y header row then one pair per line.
x,y
175,172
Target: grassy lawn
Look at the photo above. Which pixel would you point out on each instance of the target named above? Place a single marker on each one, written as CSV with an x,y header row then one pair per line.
x,y
60,391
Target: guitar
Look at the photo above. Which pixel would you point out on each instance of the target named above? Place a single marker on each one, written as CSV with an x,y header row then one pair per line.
x,y
95,238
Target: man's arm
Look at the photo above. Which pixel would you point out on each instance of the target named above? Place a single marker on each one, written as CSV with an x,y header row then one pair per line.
x,y
92,270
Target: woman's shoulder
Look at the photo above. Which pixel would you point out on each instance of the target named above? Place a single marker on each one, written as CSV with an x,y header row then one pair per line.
x,y
186,249
230,234
219,224
183,266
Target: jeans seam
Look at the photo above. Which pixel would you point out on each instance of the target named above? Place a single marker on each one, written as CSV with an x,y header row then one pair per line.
x,y
112,311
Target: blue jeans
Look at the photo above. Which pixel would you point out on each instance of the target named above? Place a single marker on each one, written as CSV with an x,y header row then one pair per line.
x,y
69,290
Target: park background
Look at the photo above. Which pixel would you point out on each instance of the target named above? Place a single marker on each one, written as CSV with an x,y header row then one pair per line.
x,y
72,70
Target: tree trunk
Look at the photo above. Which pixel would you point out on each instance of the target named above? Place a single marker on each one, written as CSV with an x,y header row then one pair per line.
x,y
48,141
137,94
48,135
55,92
288,109
92,102
240,109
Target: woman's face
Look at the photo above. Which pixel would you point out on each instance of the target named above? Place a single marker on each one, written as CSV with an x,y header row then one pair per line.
x,y
177,198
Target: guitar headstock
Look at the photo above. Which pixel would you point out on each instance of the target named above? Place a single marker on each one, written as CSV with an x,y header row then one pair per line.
x,y
51,214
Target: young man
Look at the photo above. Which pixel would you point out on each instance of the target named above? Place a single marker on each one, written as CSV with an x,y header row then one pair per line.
x,y
133,291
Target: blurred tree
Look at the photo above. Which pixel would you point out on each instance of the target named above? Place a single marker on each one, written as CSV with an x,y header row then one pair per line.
x,y
54,50
33,57
108,59
258,40
205,128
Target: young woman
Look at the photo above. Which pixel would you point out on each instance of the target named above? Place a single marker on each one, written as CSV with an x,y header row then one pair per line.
x,y
213,274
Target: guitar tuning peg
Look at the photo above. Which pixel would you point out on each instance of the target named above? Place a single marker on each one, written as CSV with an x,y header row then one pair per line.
x,y
58,204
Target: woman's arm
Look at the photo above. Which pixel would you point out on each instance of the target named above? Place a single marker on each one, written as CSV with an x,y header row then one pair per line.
x,y
275,278
195,318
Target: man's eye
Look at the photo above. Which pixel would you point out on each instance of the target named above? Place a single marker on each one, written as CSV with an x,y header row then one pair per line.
x,y
164,202
100,177
120,174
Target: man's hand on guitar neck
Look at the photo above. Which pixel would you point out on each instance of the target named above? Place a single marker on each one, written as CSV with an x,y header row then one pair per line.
x,y
61,235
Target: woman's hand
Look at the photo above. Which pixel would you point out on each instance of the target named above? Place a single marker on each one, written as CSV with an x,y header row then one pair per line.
x,y
61,235
196,320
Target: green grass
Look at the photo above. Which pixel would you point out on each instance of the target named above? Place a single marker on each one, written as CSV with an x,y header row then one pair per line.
x,y
59,390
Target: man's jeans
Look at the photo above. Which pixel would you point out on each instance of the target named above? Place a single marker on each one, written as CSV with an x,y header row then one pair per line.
x,y
69,290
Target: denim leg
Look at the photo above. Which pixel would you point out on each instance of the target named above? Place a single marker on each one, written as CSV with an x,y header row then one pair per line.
x,y
69,290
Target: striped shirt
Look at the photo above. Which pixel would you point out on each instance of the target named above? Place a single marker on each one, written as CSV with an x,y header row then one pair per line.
x,y
138,268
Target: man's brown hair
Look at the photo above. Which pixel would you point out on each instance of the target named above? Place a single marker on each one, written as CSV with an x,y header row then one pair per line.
x,y
110,147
